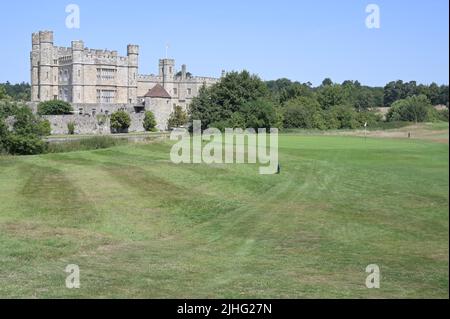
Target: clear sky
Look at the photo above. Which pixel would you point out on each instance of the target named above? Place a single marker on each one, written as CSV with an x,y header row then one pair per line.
x,y
300,40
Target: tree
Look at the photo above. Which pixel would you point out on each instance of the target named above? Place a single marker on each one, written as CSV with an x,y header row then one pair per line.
x,y
283,90
149,122
120,122
413,109
16,92
299,113
27,132
218,102
3,94
345,115
331,95
393,91
259,114
443,95
327,82
433,94
3,134
54,107
178,118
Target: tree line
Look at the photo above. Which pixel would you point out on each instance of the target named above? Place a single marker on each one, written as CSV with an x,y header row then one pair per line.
x,y
243,100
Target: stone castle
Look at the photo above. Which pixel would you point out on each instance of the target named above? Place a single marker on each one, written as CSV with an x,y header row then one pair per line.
x,y
101,81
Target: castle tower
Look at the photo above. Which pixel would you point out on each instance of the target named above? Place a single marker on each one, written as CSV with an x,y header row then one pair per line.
x,y
167,72
77,72
133,69
34,59
45,68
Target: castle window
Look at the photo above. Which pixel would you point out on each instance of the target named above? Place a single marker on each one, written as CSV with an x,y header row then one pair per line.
x,y
189,91
175,91
79,73
106,74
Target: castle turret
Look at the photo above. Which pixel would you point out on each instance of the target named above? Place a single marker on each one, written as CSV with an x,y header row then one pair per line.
x,y
45,68
34,63
166,71
133,69
77,72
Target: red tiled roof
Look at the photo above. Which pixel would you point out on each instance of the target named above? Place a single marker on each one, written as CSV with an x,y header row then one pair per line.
x,y
158,92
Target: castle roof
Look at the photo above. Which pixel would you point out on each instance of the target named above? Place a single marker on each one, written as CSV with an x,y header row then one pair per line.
x,y
158,92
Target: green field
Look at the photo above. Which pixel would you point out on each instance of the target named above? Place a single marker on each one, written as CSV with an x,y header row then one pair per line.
x,y
139,226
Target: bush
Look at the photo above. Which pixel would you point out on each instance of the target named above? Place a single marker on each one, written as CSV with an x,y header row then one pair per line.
x,y
45,128
3,134
27,144
260,113
412,109
318,121
299,113
371,118
8,108
149,122
120,122
443,115
54,107
346,116
71,128
26,135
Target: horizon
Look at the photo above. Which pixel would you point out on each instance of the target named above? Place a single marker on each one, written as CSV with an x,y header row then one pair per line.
x,y
304,42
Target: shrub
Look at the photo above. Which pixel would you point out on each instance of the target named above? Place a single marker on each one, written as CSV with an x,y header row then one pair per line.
x,y
24,144
120,122
299,112
149,122
3,134
318,121
371,118
45,128
346,116
260,113
8,108
412,109
443,115
26,135
71,128
54,107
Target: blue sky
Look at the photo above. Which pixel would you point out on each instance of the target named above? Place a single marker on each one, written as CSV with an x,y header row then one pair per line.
x,y
300,40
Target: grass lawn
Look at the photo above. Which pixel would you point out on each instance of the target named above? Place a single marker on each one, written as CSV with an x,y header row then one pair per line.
x,y
139,226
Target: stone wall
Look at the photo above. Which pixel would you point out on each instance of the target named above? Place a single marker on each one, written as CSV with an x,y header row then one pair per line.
x,y
91,124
